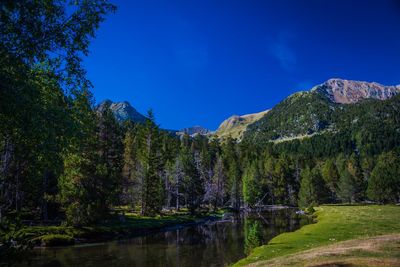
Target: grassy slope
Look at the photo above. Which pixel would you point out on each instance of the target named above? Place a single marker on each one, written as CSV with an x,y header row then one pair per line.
x,y
382,250
236,130
335,223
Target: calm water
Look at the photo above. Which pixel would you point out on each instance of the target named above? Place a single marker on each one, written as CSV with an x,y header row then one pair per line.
x,y
217,243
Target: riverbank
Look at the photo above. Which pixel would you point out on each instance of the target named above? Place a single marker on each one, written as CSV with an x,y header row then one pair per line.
x,y
333,224
125,226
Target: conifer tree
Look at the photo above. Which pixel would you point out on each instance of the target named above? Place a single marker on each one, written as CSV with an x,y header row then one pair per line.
x,y
347,187
331,176
81,186
313,190
152,165
251,184
384,183
131,182
232,166
192,181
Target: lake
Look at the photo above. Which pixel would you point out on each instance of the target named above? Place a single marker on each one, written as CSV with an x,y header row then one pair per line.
x,y
215,243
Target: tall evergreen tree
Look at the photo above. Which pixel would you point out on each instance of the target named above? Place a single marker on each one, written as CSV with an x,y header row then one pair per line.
x,y
313,190
331,176
252,184
384,183
81,186
234,183
152,164
192,180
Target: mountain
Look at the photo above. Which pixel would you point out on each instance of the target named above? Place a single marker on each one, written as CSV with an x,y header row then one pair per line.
x,y
336,106
193,131
123,111
348,92
236,125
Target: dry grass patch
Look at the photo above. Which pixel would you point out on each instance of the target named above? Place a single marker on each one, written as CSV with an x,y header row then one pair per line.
x,y
376,251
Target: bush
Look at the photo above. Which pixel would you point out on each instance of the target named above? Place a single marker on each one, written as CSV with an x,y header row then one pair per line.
x,y
53,240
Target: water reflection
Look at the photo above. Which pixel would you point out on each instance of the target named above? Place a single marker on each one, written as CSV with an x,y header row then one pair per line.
x,y
212,244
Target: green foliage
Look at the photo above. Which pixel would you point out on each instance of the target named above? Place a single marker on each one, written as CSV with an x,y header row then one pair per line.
x,y
313,190
347,187
253,236
251,185
330,175
192,182
150,159
384,183
54,33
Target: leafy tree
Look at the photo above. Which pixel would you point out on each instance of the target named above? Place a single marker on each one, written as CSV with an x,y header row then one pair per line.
x,y
55,33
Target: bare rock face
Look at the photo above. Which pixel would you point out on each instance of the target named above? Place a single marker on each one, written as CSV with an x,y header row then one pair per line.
x,y
348,92
123,111
193,131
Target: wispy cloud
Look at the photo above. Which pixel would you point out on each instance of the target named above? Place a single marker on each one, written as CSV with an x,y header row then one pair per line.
x,y
281,50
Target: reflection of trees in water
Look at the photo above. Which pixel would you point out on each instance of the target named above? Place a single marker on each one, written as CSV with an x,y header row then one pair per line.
x,y
253,235
212,244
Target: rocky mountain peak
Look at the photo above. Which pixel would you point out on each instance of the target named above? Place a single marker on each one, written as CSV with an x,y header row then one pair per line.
x,y
348,91
123,111
195,130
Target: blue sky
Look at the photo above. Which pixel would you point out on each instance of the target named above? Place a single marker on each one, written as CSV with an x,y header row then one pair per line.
x,y
199,62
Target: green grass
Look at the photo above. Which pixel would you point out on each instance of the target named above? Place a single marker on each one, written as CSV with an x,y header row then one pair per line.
x,y
133,224
334,224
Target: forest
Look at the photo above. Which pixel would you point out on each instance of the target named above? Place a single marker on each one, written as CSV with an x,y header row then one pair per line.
x,y
63,160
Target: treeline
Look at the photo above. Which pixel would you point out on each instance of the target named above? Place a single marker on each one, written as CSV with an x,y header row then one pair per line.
x,y
77,163
62,159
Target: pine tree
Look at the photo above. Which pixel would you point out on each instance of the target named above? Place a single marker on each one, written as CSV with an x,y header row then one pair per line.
x,y
234,183
251,184
216,190
192,181
331,176
360,185
110,150
81,186
347,187
152,165
384,183
131,186
313,190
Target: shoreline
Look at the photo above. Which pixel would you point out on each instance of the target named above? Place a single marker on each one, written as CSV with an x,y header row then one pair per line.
x,y
42,237
334,224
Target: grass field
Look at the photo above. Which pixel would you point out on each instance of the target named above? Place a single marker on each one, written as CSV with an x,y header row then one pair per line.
x,y
335,224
